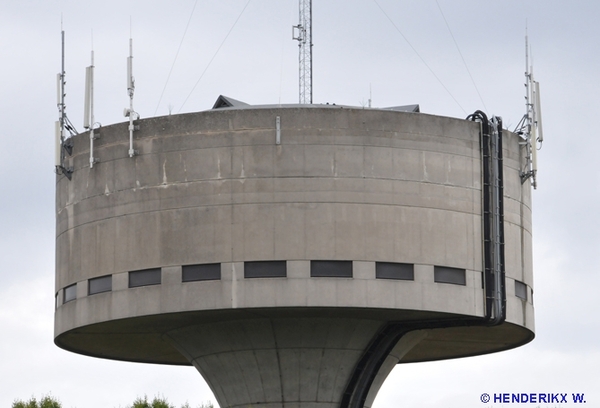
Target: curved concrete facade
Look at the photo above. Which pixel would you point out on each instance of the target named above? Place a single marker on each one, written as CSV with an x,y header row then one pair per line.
x,y
377,194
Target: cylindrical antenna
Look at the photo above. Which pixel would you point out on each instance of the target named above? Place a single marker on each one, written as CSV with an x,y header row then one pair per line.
x,y
130,80
92,119
88,114
87,120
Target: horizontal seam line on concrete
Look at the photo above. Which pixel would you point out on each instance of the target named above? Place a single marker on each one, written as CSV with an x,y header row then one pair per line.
x,y
259,202
329,177
85,153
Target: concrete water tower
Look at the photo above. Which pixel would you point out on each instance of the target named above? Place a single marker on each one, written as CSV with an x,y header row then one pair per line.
x,y
293,254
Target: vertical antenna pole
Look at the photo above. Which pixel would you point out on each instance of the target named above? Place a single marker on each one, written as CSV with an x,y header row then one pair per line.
x,y
310,49
527,84
304,37
63,122
60,103
530,125
62,87
130,90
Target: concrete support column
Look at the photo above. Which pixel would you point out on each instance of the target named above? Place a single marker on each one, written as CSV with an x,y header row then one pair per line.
x,y
276,362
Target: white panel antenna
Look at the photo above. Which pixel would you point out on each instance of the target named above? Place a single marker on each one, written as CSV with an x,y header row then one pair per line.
x,y
57,145
534,166
538,112
87,114
88,110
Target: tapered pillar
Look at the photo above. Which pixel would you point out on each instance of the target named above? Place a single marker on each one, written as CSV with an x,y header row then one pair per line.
x,y
291,362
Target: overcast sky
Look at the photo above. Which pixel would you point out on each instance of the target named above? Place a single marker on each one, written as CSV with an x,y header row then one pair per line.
x,y
356,49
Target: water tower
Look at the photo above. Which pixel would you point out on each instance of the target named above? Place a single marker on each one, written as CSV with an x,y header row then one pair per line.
x,y
294,254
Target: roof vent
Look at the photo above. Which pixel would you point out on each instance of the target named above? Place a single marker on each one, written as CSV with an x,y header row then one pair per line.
x,y
226,102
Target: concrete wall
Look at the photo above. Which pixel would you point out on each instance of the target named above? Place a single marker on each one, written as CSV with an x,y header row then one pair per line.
x,y
356,185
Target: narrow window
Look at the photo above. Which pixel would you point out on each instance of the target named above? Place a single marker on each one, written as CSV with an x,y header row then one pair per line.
x,y
443,274
331,269
144,277
99,285
192,273
520,290
265,269
70,293
390,270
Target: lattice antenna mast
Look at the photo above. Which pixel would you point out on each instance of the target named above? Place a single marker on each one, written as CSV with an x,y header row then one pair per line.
x,y
303,33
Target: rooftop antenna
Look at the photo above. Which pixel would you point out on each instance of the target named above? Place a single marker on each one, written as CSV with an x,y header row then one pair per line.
x,y
530,126
303,33
133,115
88,109
63,124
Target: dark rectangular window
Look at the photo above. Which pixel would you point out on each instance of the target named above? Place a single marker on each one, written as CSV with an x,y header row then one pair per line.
x,y
331,269
520,290
99,285
443,274
191,273
391,270
70,293
144,277
265,269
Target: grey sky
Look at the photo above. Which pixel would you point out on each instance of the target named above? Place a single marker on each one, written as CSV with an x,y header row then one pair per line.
x,y
356,48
